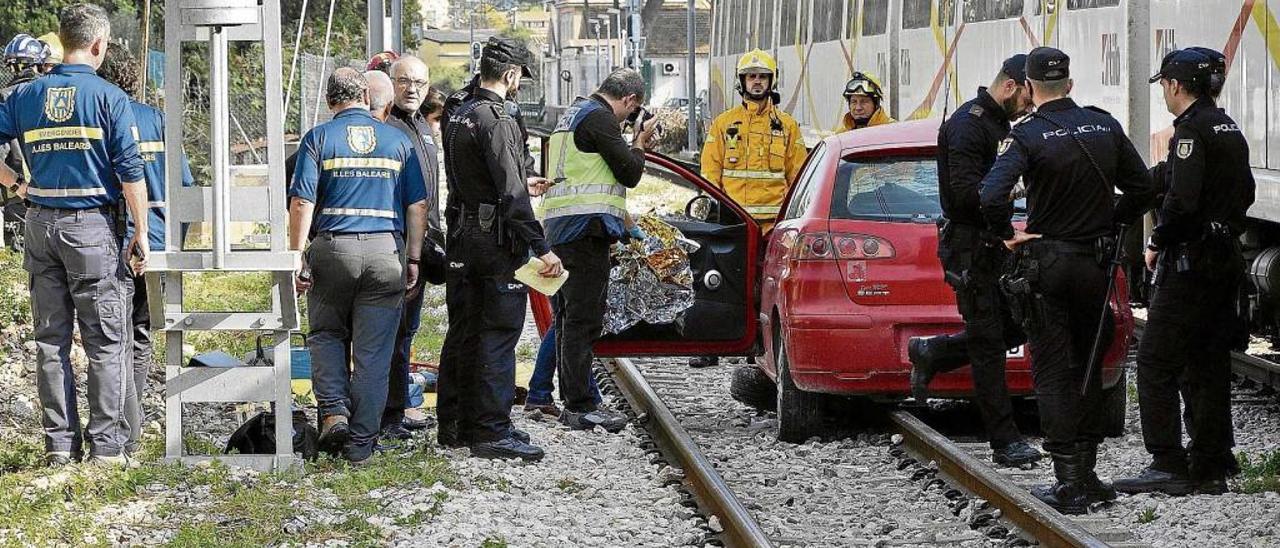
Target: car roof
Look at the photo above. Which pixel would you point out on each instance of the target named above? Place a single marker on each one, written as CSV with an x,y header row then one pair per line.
x,y
895,136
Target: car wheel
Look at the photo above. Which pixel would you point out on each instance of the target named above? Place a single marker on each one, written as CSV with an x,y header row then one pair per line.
x,y
1115,401
799,412
753,388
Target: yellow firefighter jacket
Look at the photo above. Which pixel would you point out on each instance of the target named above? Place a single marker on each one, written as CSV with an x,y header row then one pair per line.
x,y
880,118
754,153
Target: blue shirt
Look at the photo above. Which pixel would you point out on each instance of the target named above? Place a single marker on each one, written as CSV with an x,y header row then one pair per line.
x,y
150,136
360,173
76,132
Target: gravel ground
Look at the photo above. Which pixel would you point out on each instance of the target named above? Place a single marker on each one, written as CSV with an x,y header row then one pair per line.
x,y
840,492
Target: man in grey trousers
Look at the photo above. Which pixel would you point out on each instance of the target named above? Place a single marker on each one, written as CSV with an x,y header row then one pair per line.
x,y
75,133
357,193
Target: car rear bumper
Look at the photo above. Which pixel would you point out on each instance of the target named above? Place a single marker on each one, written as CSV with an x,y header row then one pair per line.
x,y
852,354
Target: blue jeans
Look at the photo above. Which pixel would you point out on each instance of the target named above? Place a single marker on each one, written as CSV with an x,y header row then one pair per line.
x,y
544,369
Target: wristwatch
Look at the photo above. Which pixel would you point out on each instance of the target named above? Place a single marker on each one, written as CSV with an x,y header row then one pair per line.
x,y
415,261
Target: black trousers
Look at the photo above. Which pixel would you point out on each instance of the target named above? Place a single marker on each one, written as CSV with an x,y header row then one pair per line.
x,y
1061,321
580,319
1185,357
989,331
486,315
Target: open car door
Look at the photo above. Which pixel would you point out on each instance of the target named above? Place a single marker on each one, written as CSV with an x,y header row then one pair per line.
x,y
722,320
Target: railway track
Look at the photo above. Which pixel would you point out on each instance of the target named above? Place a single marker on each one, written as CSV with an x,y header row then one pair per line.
x,y
908,484
1246,366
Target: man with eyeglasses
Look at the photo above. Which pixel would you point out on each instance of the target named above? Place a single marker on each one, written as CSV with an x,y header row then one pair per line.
x,y
410,80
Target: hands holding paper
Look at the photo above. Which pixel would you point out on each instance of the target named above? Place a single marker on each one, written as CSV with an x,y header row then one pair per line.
x,y
551,267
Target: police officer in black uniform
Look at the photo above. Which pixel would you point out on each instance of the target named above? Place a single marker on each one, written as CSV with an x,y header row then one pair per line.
x,y
1194,321
972,259
492,229
1071,159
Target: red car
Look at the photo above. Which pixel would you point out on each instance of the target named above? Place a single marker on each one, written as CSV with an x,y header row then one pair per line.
x,y
849,274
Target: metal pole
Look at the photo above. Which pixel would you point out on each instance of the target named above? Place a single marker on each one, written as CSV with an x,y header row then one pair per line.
x,y
1139,47
146,53
374,15
691,81
622,49
607,45
471,28
218,137
397,26
595,27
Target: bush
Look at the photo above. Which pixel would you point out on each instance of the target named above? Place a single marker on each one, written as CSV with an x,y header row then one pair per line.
x,y
450,78
15,297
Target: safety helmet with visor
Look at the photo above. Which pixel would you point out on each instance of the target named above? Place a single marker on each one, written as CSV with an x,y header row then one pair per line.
x,y
26,51
757,61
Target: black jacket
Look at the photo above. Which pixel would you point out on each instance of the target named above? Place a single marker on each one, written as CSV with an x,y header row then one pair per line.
x,y
461,96
484,165
424,142
967,145
1207,175
1067,196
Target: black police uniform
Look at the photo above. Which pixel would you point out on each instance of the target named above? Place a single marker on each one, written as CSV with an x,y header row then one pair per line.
x,y
1071,159
1194,321
973,259
492,228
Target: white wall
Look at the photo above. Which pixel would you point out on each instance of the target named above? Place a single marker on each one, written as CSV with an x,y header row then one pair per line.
x,y
666,87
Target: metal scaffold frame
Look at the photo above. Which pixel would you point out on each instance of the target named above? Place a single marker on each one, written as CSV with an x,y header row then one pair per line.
x,y
217,23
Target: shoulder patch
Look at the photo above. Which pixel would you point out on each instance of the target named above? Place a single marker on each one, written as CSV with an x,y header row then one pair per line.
x,y
1184,148
976,110
1004,146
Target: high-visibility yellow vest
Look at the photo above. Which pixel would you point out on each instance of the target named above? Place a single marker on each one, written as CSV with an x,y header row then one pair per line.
x,y
584,184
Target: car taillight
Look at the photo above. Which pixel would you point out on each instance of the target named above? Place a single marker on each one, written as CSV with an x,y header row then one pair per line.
x,y
841,246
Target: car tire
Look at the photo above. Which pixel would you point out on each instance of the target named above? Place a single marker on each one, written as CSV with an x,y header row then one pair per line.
x,y
753,388
799,412
1115,402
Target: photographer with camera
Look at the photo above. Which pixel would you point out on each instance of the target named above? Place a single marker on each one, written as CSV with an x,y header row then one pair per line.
x,y
591,168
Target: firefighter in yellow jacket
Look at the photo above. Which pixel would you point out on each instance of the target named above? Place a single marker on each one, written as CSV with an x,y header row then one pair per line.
x,y
865,98
754,150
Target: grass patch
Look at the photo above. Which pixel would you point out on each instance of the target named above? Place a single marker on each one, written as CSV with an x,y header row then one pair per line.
x,y
494,543
1148,515
1259,473
214,505
658,194
15,301
569,485
430,337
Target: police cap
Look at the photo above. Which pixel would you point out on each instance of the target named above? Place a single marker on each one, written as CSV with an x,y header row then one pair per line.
x,y
1016,68
1184,65
1216,57
508,52
1047,64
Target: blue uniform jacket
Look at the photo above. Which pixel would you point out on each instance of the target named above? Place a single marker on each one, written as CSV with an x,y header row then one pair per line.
x,y
150,137
76,131
360,173
1067,196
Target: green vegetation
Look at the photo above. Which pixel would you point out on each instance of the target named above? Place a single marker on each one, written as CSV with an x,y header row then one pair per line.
x,y
494,543
1148,515
1258,473
15,302
569,485
213,505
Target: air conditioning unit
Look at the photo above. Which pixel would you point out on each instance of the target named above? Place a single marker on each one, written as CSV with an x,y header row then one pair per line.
x,y
670,68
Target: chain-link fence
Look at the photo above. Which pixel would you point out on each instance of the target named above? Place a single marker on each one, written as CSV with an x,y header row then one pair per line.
x,y
313,73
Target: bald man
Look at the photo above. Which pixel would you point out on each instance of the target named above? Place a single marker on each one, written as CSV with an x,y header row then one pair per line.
x,y
381,94
410,82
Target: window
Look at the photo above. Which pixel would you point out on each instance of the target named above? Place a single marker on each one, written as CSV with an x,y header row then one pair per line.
x,y
875,17
806,183
903,189
915,14
827,15
1090,4
787,24
764,30
991,10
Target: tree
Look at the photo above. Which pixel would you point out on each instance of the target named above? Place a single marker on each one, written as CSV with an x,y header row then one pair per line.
x,y
37,18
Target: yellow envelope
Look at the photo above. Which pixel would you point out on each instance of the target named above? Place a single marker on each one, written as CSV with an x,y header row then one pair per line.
x,y
528,275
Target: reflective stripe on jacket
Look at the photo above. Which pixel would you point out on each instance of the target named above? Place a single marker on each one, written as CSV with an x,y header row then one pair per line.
x,y
754,154
584,184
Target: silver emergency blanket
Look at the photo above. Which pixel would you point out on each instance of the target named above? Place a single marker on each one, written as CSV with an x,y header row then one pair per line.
x,y
652,280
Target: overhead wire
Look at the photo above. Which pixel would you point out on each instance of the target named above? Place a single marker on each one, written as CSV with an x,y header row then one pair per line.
x,y
328,29
293,65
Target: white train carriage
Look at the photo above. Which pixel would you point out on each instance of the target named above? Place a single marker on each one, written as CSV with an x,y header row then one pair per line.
x,y
930,55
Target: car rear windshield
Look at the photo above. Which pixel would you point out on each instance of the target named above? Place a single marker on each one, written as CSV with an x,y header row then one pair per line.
x,y
902,189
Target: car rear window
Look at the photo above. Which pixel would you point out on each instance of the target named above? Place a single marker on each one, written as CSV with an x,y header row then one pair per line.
x,y
901,189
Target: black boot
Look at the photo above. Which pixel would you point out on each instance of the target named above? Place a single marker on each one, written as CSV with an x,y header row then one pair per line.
x,y
1151,480
1068,495
1095,488
921,367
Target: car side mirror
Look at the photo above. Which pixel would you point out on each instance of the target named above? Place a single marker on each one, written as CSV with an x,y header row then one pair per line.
x,y
703,208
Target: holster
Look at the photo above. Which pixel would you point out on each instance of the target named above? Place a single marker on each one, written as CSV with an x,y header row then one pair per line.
x,y
1018,286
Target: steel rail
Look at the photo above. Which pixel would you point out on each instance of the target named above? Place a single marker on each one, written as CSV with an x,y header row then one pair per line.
x,y
966,472
1259,370
712,493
